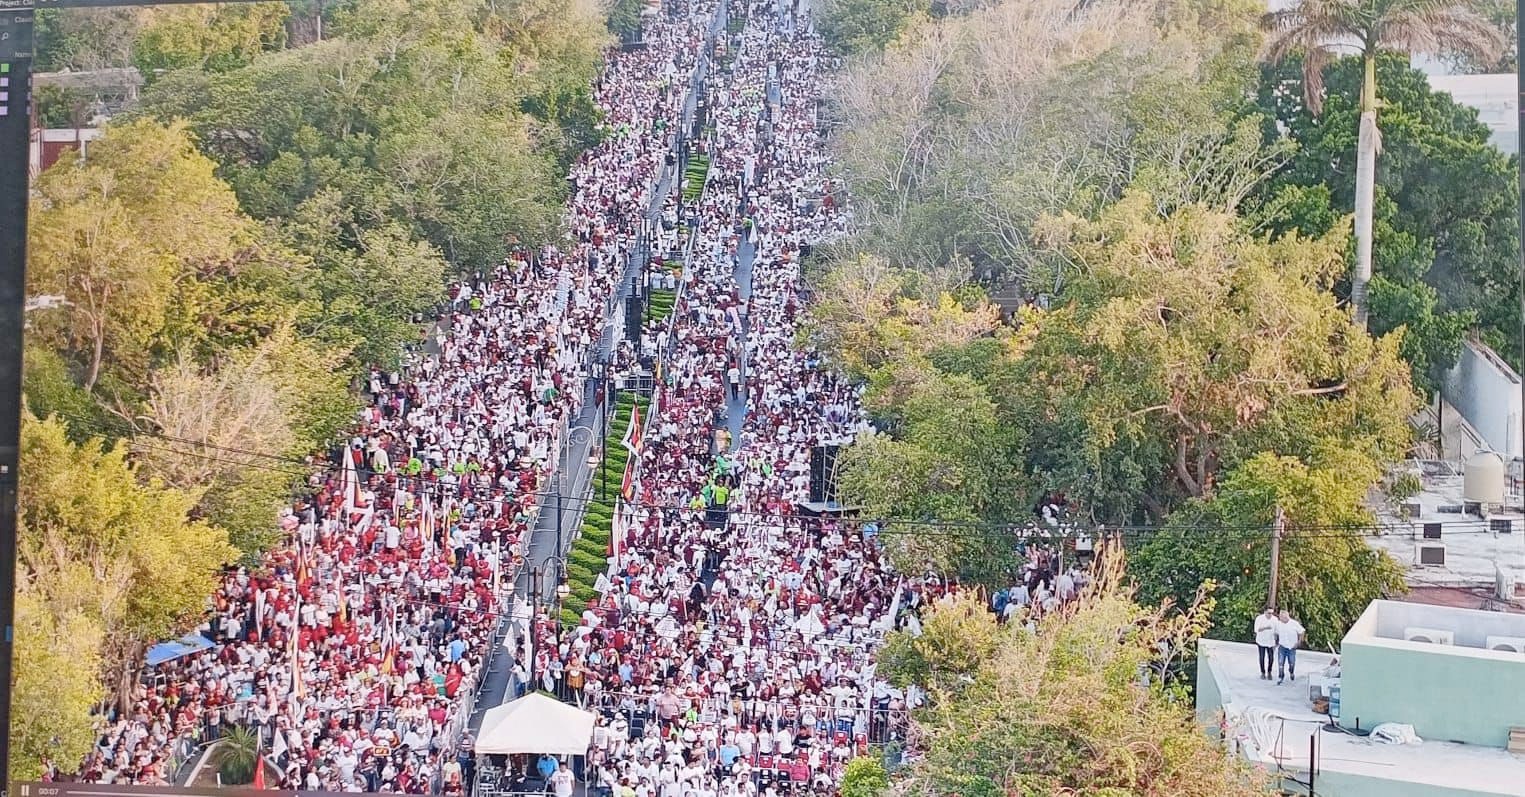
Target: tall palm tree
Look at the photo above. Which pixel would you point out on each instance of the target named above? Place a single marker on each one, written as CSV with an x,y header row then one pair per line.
x,y
1320,28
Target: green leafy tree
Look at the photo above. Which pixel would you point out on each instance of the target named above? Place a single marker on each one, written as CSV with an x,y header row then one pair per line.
x,y
125,553
625,17
59,107
408,115
82,39
1186,347
238,755
57,685
864,777
949,459
1064,711
51,389
368,283
958,638
1445,248
1315,28
221,430
1328,572
120,238
211,37
859,26
868,314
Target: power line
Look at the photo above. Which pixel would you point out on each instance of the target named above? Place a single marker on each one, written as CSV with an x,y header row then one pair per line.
x,y
1024,528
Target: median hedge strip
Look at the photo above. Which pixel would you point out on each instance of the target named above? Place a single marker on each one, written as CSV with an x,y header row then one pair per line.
x,y
590,551
698,166
659,305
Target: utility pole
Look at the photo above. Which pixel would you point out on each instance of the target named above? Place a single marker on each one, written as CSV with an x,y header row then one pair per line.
x,y
1278,528
1519,53
16,26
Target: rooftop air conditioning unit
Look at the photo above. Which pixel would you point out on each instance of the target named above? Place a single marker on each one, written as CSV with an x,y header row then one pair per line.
x,y
1431,636
1509,644
1430,553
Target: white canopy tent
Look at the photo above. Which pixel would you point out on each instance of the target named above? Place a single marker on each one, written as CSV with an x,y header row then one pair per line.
x,y
535,723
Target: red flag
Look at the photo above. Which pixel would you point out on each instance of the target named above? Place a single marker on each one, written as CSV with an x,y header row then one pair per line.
x,y
627,481
259,770
633,432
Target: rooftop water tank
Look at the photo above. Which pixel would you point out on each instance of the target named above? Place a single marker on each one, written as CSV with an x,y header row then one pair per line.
x,y
1482,479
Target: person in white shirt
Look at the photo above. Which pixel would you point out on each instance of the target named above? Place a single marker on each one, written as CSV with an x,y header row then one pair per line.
x,y
1265,640
1289,637
562,781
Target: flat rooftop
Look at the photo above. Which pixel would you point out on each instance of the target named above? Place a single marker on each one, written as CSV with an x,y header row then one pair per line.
x,y
1472,547
1273,725
1388,621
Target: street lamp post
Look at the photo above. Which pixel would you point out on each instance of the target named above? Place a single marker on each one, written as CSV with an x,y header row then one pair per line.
x,y
601,368
556,567
559,483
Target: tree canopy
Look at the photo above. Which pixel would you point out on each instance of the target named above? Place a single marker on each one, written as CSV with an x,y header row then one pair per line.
x,y
1182,347
1062,710
1446,241
861,26
285,206
1328,572
1185,346
108,563
1074,227
121,238
956,140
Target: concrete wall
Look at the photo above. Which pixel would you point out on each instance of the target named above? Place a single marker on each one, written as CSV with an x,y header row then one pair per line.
x,y
1469,627
1470,696
1487,392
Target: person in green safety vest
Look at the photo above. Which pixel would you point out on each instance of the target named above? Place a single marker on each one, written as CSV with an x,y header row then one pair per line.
x,y
722,494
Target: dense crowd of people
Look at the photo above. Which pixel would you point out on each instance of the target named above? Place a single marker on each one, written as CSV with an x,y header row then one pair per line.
x,y
731,649
354,646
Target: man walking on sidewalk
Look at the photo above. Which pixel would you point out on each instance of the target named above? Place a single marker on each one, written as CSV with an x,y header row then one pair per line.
x,y
1289,637
1265,640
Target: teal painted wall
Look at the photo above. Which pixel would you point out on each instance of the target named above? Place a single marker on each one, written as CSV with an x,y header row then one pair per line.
x,y
1336,784
1209,700
1459,698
